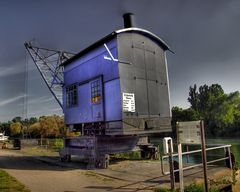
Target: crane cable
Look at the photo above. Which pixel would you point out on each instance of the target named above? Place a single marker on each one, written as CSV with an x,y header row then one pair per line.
x,y
25,104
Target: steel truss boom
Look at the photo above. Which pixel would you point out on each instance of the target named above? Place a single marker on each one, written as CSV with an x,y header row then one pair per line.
x,y
49,64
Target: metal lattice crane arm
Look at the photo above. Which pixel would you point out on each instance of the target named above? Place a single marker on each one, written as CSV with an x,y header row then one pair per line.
x,y
49,64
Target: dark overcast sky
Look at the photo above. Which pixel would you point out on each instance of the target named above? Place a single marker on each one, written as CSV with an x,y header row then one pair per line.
x,y
203,34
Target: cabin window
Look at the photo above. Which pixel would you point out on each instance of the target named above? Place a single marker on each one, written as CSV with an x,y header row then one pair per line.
x,y
71,92
96,92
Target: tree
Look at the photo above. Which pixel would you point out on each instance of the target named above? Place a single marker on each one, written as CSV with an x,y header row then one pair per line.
x,y
61,125
218,110
206,98
193,97
32,120
50,126
5,127
26,123
179,114
34,130
226,115
45,126
16,129
17,119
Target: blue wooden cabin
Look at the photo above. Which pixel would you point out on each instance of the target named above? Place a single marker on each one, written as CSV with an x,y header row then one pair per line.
x,y
119,85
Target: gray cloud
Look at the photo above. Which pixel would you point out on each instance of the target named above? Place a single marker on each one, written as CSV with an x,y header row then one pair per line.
x,y
11,100
9,71
203,34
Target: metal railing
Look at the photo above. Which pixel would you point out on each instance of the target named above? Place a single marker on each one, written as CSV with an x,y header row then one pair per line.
x,y
225,147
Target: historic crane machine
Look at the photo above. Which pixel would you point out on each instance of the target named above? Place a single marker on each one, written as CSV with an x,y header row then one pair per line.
x,y
115,91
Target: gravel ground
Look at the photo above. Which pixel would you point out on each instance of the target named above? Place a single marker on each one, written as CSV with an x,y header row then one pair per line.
x,y
40,174
48,174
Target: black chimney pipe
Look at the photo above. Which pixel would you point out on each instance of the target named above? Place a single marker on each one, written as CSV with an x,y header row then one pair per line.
x,y
128,20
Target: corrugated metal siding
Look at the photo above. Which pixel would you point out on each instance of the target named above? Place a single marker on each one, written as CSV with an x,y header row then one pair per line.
x,y
145,77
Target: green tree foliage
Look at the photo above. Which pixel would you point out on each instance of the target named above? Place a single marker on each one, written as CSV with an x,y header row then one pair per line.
x,y
207,98
5,127
32,120
34,130
45,126
16,129
179,114
227,115
220,111
16,119
49,127
193,97
61,125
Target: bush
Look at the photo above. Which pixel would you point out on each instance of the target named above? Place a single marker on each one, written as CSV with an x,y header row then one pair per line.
x,y
194,188
164,190
58,143
133,155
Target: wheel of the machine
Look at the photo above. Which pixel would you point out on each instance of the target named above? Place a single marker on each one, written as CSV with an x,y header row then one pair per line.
x,y
149,152
98,163
65,158
102,162
153,153
91,163
144,154
105,161
68,158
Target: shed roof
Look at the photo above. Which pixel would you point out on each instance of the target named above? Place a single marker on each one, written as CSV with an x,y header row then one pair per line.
x,y
112,35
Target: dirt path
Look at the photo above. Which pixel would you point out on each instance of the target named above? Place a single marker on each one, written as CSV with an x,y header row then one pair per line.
x,y
50,175
39,176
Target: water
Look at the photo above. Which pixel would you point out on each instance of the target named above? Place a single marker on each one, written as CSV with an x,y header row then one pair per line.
x,y
211,155
235,148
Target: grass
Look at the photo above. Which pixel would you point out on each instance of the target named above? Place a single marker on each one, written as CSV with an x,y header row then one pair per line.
x,y
10,184
38,151
132,155
49,148
58,144
190,188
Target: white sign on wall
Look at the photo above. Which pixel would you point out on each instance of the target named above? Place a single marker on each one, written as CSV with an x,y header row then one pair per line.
x,y
128,100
